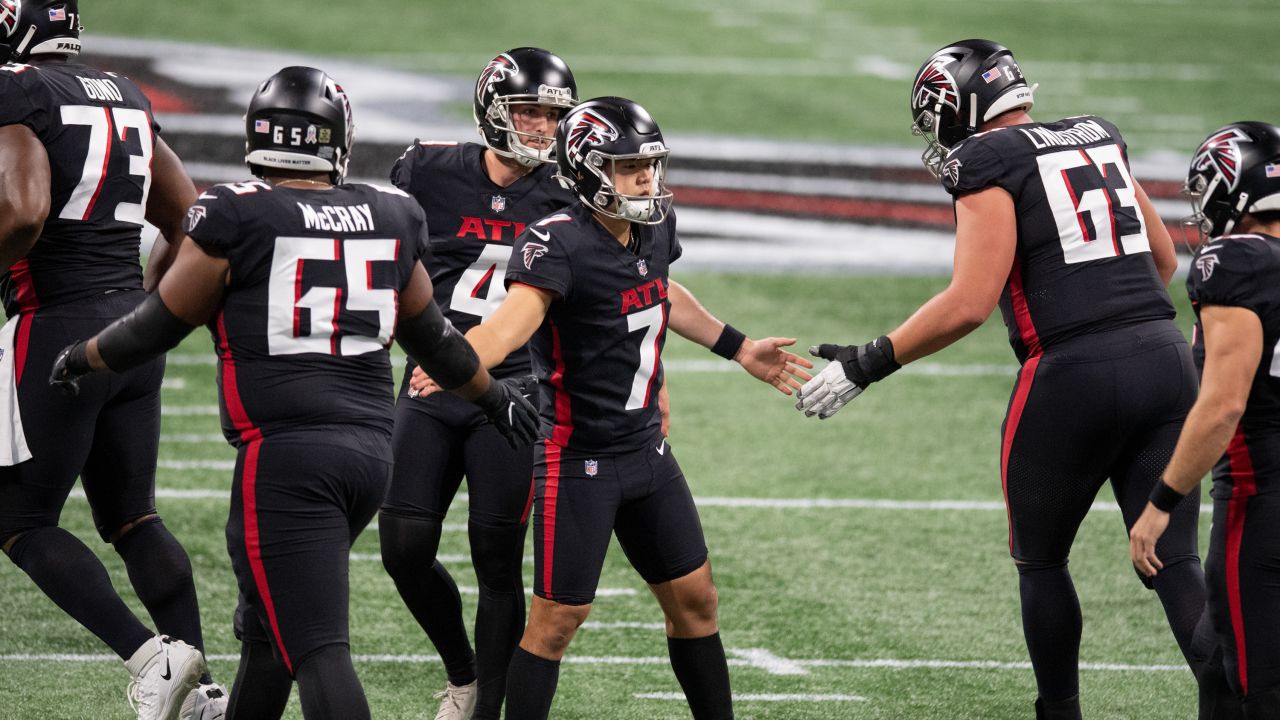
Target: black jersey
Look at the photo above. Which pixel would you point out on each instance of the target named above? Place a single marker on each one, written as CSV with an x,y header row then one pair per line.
x,y
99,134
1083,261
1241,271
310,311
473,223
599,351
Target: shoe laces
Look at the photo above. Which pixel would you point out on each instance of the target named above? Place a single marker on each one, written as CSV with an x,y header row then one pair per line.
x,y
448,696
137,696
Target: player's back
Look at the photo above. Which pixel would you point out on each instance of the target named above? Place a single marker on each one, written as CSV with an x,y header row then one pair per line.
x,y
99,134
1083,263
1240,271
599,349
473,223
311,307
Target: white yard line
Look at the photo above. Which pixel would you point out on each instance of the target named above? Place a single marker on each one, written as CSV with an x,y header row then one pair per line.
x,y
758,697
860,664
188,410
716,502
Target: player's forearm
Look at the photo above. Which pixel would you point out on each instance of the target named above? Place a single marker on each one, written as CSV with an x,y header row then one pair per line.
x,y
491,345
442,352
941,321
1205,436
147,332
690,320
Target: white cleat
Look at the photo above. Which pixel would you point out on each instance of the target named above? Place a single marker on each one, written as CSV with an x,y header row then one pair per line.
x,y
206,702
458,702
164,671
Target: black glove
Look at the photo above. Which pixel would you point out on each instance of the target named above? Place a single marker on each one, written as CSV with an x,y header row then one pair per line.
x,y
506,404
862,364
70,365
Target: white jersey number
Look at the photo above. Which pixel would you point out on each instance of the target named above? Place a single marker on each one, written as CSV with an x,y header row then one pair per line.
x,y
1094,203
101,122
285,299
490,267
651,321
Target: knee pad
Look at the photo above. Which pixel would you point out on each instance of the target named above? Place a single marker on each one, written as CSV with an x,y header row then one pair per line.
x,y
1262,706
1027,567
498,556
408,543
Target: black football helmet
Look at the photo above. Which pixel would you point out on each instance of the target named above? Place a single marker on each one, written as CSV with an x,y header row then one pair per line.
x,y
593,138
960,87
520,76
39,27
299,119
1235,171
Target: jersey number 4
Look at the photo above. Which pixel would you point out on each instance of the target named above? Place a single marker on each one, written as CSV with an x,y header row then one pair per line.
x,y
1094,203
106,126
286,300
490,268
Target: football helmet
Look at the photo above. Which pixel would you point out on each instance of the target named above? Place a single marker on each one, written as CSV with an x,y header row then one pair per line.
x,y
1236,170
299,119
593,139
524,75
960,87
39,27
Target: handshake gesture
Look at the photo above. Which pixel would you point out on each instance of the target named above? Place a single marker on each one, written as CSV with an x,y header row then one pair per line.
x,y
851,370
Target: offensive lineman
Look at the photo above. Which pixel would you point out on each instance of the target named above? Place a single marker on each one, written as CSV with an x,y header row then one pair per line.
x,y
477,199
302,281
590,286
1051,226
1234,427
81,167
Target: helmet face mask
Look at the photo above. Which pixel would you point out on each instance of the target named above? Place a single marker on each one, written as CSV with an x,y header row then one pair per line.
x,y
39,27
522,76
959,88
299,119
1235,171
603,140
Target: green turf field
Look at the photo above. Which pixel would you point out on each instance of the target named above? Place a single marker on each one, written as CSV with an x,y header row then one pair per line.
x,y
817,602
1166,71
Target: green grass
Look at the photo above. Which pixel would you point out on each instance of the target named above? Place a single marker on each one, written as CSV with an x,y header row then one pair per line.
x,y
802,584
1166,72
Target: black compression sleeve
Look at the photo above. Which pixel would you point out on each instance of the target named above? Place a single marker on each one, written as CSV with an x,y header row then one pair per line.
x,y
435,344
147,332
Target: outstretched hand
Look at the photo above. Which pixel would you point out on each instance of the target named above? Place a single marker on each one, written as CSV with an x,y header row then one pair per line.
x,y
766,360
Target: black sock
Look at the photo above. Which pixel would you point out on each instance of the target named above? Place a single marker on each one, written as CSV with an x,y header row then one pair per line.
x,y
1180,587
328,686
160,573
431,596
262,685
1068,709
531,686
75,580
1051,623
498,555
700,666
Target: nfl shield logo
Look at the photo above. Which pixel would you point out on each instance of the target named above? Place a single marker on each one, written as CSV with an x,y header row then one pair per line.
x,y
498,203
642,266
591,467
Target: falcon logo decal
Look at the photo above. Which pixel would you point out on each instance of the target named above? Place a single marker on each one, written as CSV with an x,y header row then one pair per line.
x,y
1205,264
935,86
532,251
951,171
194,216
587,128
1221,152
498,69
8,18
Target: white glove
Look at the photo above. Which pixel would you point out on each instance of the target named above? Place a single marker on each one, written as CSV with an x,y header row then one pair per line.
x,y
827,392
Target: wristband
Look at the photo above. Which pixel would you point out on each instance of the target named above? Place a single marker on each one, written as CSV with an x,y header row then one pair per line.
x,y
728,343
1165,498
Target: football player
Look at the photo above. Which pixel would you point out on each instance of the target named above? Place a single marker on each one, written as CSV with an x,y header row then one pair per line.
x,y
82,167
1052,227
477,199
1234,426
589,285
303,281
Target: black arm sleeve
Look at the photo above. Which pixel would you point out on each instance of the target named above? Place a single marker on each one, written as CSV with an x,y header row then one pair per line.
x,y
147,332
435,344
